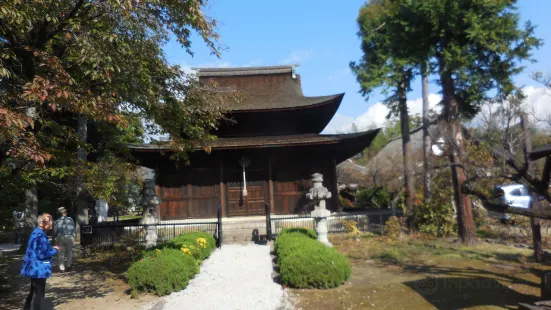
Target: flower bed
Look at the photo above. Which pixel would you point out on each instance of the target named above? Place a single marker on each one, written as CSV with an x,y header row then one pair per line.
x,y
305,262
169,267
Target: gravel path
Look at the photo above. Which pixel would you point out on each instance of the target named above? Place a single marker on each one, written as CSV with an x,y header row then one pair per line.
x,y
234,277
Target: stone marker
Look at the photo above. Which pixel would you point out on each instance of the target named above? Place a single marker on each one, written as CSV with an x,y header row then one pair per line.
x,y
318,194
150,201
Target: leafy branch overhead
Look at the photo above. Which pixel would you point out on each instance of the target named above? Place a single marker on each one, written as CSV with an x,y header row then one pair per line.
x,y
102,60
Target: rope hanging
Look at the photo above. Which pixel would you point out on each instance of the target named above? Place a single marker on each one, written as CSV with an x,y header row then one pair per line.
x,y
244,193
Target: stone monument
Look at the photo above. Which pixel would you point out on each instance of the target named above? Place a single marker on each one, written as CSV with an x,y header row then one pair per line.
x,y
19,225
318,194
102,210
150,201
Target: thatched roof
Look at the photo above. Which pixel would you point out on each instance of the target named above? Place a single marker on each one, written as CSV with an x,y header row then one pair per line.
x,y
264,88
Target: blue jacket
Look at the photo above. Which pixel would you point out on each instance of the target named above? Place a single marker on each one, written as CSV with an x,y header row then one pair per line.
x,y
38,258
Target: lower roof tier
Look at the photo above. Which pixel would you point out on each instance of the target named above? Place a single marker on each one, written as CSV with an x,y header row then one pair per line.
x,y
339,146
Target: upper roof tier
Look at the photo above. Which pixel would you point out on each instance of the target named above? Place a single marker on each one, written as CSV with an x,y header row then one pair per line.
x,y
264,88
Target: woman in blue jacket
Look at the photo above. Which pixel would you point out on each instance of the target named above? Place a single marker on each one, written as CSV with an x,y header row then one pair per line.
x,y
37,264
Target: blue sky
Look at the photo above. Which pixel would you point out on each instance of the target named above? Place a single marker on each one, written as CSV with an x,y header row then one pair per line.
x,y
321,37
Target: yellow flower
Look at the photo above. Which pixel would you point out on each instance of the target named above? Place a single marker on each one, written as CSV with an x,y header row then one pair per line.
x,y
185,250
158,252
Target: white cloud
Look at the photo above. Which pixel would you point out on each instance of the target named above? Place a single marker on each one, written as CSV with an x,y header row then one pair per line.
x,y
340,122
375,116
339,74
216,64
255,63
297,56
538,102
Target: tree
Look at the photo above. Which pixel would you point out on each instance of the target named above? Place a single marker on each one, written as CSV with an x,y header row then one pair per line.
x,y
503,153
101,61
382,66
474,47
426,137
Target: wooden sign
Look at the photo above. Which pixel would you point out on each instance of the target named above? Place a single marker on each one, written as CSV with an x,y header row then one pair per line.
x,y
87,229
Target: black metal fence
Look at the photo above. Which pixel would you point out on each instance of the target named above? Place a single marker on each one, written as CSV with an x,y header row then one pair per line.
x,y
366,221
113,233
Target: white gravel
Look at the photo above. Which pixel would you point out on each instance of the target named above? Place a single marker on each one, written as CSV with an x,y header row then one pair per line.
x,y
234,277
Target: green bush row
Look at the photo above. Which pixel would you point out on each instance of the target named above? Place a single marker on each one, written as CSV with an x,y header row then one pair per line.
x,y
169,267
189,240
305,262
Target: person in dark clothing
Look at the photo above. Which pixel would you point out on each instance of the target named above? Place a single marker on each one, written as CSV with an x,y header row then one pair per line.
x,y
37,264
65,234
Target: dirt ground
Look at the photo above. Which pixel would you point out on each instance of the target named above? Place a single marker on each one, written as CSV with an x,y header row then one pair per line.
x,y
499,280
92,285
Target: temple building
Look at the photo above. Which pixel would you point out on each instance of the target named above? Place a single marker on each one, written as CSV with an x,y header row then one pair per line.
x,y
267,154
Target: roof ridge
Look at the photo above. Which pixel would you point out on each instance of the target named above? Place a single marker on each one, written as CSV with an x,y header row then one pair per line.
x,y
238,69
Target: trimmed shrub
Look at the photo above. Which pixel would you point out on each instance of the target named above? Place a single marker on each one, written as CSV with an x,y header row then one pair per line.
x,y
162,272
291,242
308,232
198,244
308,263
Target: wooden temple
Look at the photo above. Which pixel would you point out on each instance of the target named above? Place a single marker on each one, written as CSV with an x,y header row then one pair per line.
x,y
271,148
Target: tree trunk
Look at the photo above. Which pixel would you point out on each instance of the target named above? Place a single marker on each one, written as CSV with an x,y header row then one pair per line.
x,y
456,148
81,201
31,196
535,223
426,137
31,209
409,182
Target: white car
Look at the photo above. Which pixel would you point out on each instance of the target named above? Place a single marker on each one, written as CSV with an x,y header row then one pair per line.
x,y
516,195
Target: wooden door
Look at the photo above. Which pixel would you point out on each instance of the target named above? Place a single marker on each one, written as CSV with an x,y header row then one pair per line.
x,y
253,203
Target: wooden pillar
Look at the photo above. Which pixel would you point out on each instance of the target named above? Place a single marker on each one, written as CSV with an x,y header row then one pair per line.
x,y
158,191
189,193
271,185
223,191
335,187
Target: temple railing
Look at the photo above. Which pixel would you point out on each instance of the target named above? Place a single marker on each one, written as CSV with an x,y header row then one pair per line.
x,y
117,233
366,221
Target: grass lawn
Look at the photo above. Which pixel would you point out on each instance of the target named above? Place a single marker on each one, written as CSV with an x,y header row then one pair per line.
x,y
129,217
429,274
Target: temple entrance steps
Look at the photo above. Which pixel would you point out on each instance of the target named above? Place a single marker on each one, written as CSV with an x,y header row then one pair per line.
x,y
243,229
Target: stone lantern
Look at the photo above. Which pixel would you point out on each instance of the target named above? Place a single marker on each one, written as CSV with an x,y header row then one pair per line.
x,y
318,194
150,201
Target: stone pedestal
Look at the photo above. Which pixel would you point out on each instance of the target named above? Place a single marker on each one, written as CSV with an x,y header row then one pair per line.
x,y
150,230
102,209
321,230
150,201
318,193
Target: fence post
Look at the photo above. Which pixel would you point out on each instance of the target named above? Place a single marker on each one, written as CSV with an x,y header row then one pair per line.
x,y
219,227
381,223
268,222
82,243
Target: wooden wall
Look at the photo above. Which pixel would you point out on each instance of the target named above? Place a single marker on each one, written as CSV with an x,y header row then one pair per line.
x,y
281,180
191,193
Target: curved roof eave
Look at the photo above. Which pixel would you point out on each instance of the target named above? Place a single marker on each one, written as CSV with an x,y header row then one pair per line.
x,y
323,100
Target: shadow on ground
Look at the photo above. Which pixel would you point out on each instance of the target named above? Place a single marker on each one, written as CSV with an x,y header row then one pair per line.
x,y
87,281
460,288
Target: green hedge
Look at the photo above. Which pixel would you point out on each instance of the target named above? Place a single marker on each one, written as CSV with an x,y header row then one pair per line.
x,y
293,232
308,232
308,263
162,272
190,241
168,267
